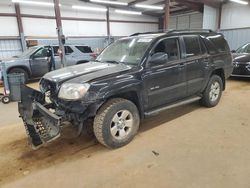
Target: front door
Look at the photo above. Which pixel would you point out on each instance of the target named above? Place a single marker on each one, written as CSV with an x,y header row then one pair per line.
x,y
196,63
165,83
39,62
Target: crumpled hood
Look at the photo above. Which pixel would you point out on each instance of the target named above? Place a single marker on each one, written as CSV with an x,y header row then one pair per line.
x,y
241,57
85,72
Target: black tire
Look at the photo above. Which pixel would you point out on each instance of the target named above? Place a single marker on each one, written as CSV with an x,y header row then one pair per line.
x,y
213,92
128,115
5,99
20,70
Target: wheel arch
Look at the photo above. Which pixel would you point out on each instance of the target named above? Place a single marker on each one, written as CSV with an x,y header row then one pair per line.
x,y
132,96
220,72
20,67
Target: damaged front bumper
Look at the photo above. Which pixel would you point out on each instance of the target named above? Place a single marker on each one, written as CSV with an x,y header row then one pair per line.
x,y
42,125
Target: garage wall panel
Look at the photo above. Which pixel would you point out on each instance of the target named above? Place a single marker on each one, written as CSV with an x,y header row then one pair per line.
x,y
8,26
7,7
116,16
37,10
187,21
237,37
68,12
10,48
125,29
84,28
235,16
39,27
210,18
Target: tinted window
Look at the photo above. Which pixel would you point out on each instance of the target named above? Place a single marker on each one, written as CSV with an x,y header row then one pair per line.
x,y
192,46
43,52
210,47
55,48
68,50
219,42
84,49
170,47
244,49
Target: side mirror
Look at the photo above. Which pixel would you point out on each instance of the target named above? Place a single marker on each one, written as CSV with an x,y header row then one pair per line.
x,y
233,51
158,58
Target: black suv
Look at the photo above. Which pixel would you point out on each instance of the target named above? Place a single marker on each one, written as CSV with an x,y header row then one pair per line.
x,y
132,78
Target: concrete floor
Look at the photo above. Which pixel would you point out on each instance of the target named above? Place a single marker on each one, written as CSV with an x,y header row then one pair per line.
x,y
189,146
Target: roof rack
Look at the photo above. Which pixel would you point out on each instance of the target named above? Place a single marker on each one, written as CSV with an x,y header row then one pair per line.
x,y
192,31
151,32
172,31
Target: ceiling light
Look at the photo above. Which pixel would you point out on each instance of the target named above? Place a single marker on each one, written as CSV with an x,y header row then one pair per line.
x,y
128,12
240,2
34,3
110,2
89,8
149,6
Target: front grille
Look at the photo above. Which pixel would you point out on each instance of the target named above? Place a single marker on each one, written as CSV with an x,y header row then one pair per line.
x,y
241,69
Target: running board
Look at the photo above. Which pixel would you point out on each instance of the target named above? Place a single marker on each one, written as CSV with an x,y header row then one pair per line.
x,y
154,112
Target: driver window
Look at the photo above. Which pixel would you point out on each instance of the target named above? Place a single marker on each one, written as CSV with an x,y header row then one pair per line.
x,y
170,47
43,52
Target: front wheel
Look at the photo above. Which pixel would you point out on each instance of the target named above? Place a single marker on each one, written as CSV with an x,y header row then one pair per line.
x,y
213,92
116,123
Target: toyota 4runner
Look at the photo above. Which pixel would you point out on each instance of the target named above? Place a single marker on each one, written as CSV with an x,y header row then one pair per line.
x,y
131,79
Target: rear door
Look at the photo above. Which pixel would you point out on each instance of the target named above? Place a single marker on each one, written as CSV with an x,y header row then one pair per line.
x,y
165,83
39,62
196,63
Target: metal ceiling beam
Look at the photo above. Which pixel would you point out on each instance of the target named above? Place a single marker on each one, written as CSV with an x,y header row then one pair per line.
x,y
20,26
167,15
60,31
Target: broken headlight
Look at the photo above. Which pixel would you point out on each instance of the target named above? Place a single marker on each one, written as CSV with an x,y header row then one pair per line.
x,y
73,91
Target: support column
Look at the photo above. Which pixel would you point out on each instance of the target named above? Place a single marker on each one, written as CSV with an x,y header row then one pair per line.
x,y
108,25
167,14
20,26
219,17
60,31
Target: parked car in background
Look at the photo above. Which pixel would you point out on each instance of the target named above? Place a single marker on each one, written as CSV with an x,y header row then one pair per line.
x,y
241,61
34,62
131,79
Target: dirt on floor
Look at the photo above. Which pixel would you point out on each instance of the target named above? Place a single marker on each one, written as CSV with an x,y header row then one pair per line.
x,y
189,146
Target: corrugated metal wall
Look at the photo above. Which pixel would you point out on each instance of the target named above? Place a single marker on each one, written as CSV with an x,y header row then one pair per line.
x,y
237,37
92,42
189,21
9,48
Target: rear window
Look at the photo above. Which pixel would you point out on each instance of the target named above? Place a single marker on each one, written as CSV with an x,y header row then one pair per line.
x,y
217,43
192,44
84,49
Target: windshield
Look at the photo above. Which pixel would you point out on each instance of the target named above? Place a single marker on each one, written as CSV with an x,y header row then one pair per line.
x,y
29,51
127,51
244,49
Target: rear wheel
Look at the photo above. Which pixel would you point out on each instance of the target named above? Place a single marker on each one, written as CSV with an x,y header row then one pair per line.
x,y
213,92
20,70
116,123
5,99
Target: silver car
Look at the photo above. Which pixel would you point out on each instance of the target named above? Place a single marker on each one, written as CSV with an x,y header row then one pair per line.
x,y
34,62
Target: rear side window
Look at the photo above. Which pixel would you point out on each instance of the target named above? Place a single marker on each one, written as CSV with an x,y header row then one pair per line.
x,y
84,49
192,44
220,44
